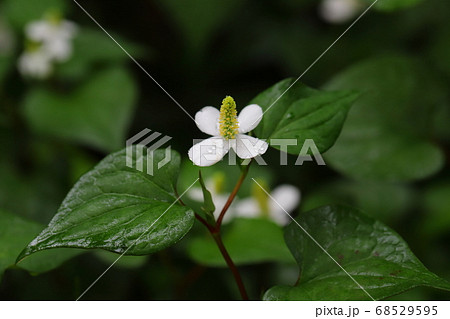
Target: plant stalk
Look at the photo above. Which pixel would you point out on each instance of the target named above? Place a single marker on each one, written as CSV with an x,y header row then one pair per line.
x,y
215,232
231,265
233,194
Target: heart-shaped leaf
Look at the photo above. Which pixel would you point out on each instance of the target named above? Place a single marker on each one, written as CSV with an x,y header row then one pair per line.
x,y
248,241
386,136
98,113
199,19
119,208
373,254
93,48
302,113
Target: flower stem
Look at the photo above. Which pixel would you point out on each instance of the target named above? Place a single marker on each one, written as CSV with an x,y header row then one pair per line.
x,y
215,232
231,265
232,196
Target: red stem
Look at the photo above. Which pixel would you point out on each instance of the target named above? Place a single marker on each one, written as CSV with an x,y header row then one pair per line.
x,y
231,265
231,197
204,222
215,232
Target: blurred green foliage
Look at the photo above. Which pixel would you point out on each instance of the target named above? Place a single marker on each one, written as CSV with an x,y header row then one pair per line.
x,y
387,134
97,113
391,159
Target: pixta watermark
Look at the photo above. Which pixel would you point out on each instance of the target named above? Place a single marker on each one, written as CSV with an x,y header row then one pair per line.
x,y
140,151
210,150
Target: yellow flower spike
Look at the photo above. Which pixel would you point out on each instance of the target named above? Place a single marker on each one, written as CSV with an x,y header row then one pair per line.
x,y
228,123
261,196
219,182
54,16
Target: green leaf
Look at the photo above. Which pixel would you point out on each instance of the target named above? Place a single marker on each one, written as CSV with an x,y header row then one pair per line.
x,y
436,219
93,48
97,113
248,241
120,209
302,113
208,205
373,254
15,233
21,12
386,135
199,19
35,194
47,260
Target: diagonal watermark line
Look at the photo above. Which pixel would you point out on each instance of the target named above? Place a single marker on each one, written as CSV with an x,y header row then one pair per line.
x,y
107,269
133,59
315,241
320,57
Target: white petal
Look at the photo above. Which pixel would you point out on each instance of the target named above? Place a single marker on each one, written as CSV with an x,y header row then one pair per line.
x,y
58,49
196,194
45,31
209,151
249,118
248,146
68,29
339,11
280,218
219,202
35,65
38,31
207,120
247,208
288,197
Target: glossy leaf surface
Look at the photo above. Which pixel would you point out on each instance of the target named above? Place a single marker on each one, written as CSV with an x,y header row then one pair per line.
x,y
373,254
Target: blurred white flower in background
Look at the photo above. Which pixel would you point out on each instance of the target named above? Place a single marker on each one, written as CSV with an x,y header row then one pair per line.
x,y
259,205
215,185
262,205
55,35
339,11
48,41
35,64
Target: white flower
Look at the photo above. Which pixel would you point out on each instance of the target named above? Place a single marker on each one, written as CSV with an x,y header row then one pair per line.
x,y
48,30
55,36
35,64
339,11
227,130
48,41
260,204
